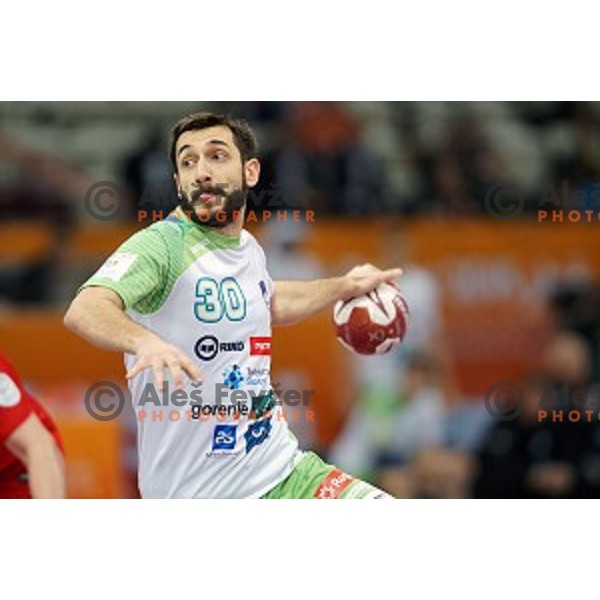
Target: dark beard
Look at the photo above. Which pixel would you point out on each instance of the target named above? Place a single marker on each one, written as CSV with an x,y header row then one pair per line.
x,y
228,205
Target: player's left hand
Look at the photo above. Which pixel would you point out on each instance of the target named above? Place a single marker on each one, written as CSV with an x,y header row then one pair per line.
x,y
363,279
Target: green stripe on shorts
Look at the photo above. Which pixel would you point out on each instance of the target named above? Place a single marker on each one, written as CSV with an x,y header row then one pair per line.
x,y
314,478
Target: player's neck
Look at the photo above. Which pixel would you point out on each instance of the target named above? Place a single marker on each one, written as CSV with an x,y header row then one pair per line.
x,y
231,230
234,228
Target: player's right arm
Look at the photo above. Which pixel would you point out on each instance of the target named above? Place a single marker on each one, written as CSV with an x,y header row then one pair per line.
x,y
97,314
130,279
23,433
35,447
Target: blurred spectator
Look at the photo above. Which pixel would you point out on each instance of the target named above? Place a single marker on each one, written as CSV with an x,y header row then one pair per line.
x,y
286,258
262,113
340,158
343,174
366,437
285,178
584,162
576,306
419,422
389,426
442,473
462,170
537,455
149,177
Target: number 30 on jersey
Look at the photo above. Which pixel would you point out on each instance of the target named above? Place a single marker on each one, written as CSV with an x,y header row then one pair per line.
x,y
216,299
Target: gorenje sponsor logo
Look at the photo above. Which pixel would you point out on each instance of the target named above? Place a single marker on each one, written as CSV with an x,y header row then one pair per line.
x,y
235,410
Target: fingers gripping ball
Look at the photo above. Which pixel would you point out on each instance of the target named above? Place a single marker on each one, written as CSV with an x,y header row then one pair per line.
x,y
374,323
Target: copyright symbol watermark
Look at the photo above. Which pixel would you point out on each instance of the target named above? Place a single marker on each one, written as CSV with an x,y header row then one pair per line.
x,y
504,201
104,401
504,401
103,201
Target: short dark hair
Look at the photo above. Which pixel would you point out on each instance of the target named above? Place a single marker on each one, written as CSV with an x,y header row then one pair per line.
x,y
243,135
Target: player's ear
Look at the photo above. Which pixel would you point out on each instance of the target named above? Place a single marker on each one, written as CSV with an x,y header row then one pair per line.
x,y
252,171
177,185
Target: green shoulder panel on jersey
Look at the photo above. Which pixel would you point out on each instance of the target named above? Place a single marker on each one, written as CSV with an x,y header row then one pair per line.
x,y
145,267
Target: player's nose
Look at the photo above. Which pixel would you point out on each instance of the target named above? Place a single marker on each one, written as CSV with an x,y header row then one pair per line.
x,y
203,173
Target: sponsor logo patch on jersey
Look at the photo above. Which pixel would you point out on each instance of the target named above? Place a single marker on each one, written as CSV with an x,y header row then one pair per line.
x,y
208,346
260,346
10,394
224,437
233,377
116,266
333,485
256,376
263,404
257,433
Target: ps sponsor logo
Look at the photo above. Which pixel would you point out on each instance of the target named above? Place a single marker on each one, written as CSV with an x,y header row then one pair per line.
x,y
224,437
223,442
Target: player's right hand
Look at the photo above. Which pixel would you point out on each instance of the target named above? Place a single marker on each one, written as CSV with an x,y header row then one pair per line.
x,y
156,354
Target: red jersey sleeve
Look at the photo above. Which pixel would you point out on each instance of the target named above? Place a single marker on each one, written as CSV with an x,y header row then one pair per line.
x,y
15,404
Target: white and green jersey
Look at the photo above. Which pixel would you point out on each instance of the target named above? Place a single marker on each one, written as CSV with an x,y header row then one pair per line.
x,y
209,295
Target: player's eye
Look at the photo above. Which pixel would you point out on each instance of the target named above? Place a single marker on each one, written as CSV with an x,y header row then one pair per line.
x,y
187,162
219,156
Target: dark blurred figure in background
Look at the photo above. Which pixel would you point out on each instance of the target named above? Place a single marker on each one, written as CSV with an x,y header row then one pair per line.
x,y
576,307
390,425
535,451
313,158
543,453
148,175
462,170
343,176
584,161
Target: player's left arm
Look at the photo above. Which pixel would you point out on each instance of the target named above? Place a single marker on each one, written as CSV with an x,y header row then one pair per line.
x,y
294,301
35,447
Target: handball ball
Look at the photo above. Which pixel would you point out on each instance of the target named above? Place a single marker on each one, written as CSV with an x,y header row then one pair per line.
x,y
374,323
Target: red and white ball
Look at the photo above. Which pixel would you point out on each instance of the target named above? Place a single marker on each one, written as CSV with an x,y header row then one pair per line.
x,y
374,323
